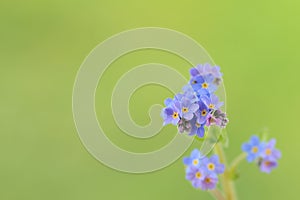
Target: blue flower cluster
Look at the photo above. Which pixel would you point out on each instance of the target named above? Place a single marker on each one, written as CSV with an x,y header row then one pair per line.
x,y
197,106
263,153
203,172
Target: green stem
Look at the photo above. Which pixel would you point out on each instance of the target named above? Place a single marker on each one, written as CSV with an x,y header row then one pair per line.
x,y
227,183
237,161
217,194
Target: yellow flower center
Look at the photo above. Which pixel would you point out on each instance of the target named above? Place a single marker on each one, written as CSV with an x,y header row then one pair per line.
x,y
254,150
211,106
194,82
184,109
207,180
204,85
267,163
175,115
203,113
268,152
195,162
211,166
198,175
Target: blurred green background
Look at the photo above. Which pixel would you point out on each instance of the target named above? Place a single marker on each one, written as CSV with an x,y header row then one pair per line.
x,y
42,45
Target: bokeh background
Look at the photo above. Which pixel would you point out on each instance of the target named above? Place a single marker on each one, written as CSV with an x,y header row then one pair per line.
x,y
42,45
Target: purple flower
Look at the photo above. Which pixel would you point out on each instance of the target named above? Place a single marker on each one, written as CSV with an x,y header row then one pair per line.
x,y
206,69
269,151
194,159
212,165
203,85
269,156
197,128
168,102
187,108
202,114
203,172
195,175
266,165
253,148
212,102
189,93
209,182
264,154
170,114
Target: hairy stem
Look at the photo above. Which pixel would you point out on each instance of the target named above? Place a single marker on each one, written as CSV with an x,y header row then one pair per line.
x,y
227,184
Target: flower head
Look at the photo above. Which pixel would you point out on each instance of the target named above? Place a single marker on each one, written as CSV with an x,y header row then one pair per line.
x,y
203,85
197,106
203,171
269,156
253,148
170,114
265,154
270,152
194,159
267,165
187,108
212,165
202,114
209,182
212,102
195,175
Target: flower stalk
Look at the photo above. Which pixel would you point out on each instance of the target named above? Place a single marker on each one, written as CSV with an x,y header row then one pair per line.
x,y
236,162
227,182
217,194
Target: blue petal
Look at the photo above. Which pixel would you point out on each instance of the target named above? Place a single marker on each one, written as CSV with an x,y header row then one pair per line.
x,y
246,147
254,140
168,111
250,157
168,101
209,78
220,169
187,160
272,143
194,107
200,132
206,100
214,159
196,184
194,72
195,153
188,116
